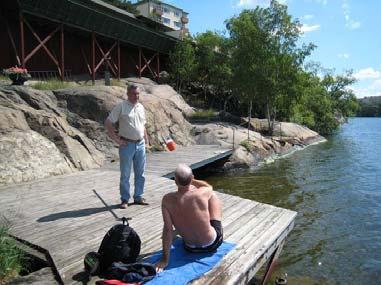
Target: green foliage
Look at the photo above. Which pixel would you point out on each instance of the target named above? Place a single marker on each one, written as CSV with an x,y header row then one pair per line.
x,y
321,99
266,58
246,144
182,63
124,5
213,67
370,107
4,78
261,62
52,84
10,256
203,114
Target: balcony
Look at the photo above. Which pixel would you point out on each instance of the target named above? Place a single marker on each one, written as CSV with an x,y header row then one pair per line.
x,y
157,11
184,20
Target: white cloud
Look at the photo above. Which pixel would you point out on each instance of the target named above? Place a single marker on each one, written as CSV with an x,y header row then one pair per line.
x,y
343,55
349,22
367,73
374,89
305,28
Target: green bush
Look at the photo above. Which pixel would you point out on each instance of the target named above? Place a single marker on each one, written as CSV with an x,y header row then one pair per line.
x,y
52,84
10,256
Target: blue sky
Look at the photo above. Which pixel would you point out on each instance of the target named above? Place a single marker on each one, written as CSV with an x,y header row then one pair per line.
x,y
346,32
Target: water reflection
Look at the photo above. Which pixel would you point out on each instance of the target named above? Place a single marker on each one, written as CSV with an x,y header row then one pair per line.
x,y
334,187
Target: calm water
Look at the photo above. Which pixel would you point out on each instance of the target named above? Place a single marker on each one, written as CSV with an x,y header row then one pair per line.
x,y
336,189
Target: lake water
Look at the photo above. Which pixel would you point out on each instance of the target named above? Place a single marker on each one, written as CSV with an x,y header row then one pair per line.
x,y
336,189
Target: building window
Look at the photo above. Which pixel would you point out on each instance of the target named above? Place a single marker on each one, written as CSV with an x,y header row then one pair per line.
x,y
166,21
177,24
177,13
166,10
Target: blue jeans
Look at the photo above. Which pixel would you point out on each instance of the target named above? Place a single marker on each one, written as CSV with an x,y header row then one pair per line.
x,y
132,154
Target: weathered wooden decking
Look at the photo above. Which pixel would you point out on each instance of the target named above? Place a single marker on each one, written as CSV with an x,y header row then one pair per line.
x,y
64,216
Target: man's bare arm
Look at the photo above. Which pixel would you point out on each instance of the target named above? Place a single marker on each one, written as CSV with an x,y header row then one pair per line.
x,y
167,238
146,137
200,183
112,134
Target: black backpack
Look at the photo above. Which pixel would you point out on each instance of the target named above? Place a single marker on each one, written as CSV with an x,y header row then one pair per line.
x,y
120,244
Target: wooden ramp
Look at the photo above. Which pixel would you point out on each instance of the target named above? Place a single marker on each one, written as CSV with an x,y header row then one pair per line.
x,y
64,216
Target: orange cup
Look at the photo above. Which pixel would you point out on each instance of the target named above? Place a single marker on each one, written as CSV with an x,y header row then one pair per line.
x,y
171,145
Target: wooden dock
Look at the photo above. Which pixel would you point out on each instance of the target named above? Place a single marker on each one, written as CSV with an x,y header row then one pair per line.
x,y
63,216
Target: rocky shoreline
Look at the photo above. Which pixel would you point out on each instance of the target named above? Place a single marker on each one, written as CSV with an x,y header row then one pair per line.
x,y
45,133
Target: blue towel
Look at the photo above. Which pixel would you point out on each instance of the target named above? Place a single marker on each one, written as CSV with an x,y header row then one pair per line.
x,y
184,266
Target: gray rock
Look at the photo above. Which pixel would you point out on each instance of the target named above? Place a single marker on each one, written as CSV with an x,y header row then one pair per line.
x,y
26,155
43,276
11,119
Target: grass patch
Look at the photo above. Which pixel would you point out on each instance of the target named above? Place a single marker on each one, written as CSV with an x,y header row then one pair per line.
x,y
203,114
116,82
11,256
246,144
52,84
4,78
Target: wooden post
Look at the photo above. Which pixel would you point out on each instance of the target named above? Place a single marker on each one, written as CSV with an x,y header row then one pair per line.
x,y
93,57
272,263
118,60
140,62
62,54
22,44
158,65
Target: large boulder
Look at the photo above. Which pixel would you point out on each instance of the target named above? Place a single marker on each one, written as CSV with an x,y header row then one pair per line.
x,y
27,155
90,102
286,129
26,108
11,119
250,149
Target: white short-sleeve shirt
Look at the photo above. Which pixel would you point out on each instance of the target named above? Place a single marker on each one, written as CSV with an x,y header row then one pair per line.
x,y
131,119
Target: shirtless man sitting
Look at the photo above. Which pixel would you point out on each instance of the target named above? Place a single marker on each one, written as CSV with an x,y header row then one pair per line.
x,y
195,213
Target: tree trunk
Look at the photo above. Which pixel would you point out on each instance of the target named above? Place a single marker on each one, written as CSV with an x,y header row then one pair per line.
x,y
268,115
249,124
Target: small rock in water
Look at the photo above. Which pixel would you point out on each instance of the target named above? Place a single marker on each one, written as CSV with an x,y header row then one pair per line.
x,y
319,263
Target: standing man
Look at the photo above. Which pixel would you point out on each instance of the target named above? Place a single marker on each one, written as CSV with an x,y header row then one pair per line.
x,y
132,139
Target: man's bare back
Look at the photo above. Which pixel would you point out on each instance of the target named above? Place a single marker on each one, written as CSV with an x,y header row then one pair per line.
x,y
195,212
190,216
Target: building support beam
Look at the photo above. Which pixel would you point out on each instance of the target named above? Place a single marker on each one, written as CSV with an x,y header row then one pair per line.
x,y
42,45
11,39
22,44
118,60
140,63
62,42
147,64
158,65
106,57
93,57
85,60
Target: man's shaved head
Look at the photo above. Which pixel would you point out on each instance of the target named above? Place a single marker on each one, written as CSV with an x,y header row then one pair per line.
x,y
183,175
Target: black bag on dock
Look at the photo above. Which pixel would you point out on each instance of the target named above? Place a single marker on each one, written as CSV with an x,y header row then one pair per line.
x,y
120,244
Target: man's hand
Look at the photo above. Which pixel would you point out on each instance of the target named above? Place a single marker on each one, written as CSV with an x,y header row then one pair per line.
x,y
161,265
120,141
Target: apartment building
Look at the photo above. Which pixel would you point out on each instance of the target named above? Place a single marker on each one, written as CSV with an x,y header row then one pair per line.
x,y
175,19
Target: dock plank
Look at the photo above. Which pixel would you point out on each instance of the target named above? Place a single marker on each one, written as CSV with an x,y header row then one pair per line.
x,y
63,215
